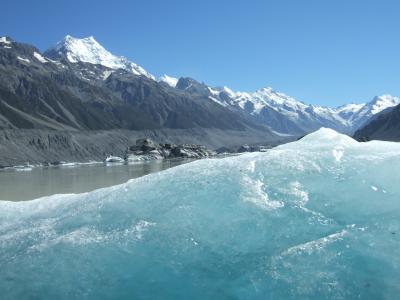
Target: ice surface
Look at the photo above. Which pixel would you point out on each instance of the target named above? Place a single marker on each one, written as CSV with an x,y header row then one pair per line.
x,y
315,219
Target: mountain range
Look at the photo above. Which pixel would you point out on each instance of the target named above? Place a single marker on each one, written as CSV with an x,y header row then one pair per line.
x,y
78,85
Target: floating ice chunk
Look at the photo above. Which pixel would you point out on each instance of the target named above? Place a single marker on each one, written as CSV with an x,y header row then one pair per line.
x,y
114,159
374,188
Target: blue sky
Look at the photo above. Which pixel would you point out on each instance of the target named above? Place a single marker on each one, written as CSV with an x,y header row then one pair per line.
x,y
321,52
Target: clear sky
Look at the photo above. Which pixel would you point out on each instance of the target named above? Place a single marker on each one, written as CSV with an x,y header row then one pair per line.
x,y
318,51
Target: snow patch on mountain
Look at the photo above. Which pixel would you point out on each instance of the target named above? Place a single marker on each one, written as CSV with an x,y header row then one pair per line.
x,y
171,81
4,40
383,102
23,59
107,74
90,51
350,108
39,57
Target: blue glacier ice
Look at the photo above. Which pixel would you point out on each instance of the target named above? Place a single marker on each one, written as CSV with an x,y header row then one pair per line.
x,y
318,218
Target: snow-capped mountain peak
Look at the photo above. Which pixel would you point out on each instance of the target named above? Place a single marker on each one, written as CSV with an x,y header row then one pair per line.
x,y
359,114
4,40
171,81
350,108
380,103
285,114
90,51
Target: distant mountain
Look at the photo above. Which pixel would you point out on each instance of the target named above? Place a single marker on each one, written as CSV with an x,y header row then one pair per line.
x,y
384,126
88,50
78,85
286,115
364,112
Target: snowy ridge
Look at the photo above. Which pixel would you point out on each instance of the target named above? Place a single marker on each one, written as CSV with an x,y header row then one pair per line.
x,y
346,118
368,110
39,57
4,40
383,102
90,51
171,81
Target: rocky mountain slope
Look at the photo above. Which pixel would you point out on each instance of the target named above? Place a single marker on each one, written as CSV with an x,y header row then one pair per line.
x,y
66,88
385,126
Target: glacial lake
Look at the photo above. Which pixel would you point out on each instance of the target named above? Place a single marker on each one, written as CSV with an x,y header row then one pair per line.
x,y
44,181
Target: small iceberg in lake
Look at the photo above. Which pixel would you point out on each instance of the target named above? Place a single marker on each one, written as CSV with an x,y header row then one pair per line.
x,y
114,159
23,168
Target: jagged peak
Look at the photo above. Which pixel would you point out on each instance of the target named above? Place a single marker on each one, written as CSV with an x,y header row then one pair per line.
x,y
88,50
380,103
5,40
171,81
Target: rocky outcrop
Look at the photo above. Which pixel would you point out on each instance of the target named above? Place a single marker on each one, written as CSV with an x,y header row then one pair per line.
x,y
39,146
147,149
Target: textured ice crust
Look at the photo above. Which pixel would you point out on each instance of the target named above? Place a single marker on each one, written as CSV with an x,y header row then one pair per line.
x,y
315,219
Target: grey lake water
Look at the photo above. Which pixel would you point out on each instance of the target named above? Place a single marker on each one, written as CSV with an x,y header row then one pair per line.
x,y
44,181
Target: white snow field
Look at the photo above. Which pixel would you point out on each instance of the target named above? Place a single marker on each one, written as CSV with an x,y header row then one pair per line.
x,y
314,219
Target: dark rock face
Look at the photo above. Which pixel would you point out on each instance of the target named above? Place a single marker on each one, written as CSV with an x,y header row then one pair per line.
x,y
145,145
51,95
222,150
385,126
191,151
146,149
244,148
192,86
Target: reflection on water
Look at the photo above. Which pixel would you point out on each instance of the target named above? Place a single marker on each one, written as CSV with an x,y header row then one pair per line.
x,y
41,182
